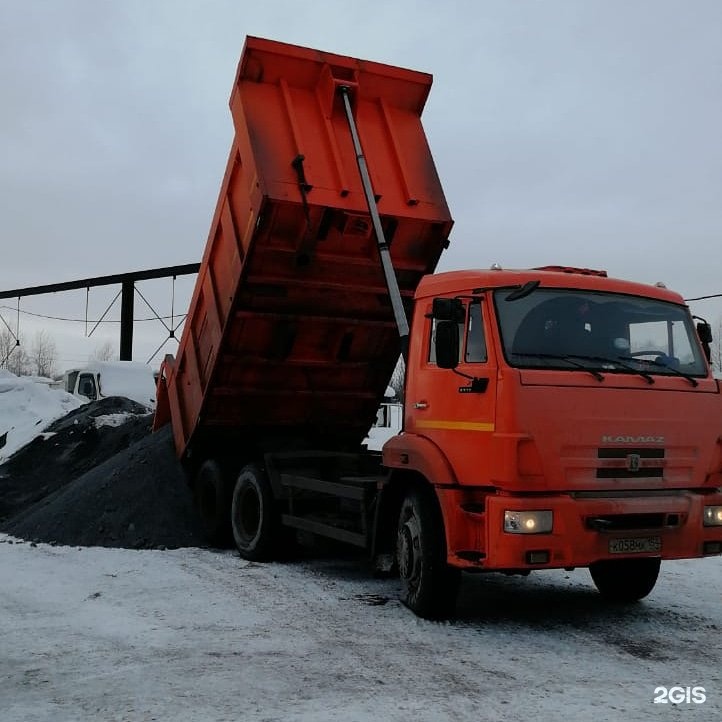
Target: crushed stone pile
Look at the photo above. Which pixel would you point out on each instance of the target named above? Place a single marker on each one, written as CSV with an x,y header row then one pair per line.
x,y
98,477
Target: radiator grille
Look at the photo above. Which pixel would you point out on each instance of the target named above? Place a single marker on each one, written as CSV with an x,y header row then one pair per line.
x,y
630,463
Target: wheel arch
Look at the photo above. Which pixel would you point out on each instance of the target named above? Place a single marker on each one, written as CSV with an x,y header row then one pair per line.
x,y
411,452
388,507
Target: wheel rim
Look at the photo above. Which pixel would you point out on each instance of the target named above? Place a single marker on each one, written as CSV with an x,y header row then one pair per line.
x,y
409,552
248,514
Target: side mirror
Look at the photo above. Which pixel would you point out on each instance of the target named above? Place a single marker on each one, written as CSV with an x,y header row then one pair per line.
x,y
446,343
448,309
704,331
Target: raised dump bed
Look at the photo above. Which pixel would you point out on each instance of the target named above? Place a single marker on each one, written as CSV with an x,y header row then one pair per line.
x,y
290,337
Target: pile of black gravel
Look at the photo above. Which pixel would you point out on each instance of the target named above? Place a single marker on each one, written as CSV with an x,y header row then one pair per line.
x,y
90,485
77,444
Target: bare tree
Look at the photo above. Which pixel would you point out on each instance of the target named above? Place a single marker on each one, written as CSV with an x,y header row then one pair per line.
x,y
716,346
7,346
13,356
104,352
44,354
397,379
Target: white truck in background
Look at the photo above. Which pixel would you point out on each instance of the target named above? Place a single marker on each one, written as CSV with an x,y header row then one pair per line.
x,y
98,380
389,420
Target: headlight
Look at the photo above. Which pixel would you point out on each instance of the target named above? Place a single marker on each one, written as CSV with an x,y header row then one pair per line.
x,y
712,516
530,522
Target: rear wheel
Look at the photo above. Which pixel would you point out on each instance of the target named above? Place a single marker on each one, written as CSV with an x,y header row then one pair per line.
x,y
254,515
213,499
625,580
430,586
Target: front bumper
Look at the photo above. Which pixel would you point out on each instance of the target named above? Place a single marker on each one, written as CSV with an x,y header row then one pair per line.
x,y
585,529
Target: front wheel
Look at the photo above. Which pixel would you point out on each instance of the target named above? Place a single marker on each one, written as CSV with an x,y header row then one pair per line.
x,y
254,516
430,586
625,580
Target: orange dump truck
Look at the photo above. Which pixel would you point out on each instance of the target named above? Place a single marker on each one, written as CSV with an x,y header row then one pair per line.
x,y
554,418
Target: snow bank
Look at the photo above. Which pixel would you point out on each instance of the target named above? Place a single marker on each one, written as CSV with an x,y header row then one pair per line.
x,y
26,409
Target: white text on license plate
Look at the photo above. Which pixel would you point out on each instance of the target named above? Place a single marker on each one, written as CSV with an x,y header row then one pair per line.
x,y
635,545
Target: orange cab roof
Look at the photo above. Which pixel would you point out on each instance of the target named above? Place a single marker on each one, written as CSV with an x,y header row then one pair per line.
x,y
441,284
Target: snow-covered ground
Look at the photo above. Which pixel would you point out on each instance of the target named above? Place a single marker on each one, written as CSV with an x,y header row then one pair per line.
x,y
190,634
104,634
26,409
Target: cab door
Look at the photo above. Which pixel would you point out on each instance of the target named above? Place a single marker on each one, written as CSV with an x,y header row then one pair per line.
x,y
455,409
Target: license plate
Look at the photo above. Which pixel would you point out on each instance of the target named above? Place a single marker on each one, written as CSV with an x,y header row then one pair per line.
x,y
635,545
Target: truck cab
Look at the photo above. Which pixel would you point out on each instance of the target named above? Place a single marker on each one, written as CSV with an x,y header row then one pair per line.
x,y
564,419
82,383
102,379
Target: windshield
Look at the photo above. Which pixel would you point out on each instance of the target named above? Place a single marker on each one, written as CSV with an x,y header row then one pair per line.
x,y
608,332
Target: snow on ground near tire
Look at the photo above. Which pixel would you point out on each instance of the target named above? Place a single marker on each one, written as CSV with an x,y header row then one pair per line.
x,y
190,634
27,408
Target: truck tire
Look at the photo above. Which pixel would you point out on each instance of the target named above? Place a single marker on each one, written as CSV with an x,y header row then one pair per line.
x,y
213,500
625,580
254,515
430,586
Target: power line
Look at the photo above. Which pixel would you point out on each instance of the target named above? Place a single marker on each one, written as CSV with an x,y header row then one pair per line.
x,y
704,298
82,320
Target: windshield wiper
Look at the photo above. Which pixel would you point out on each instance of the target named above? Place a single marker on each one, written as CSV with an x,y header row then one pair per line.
x,y
613,361
569,358
673,371
617,361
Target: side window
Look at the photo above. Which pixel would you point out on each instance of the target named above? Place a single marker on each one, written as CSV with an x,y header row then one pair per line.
x,y
432,337
475,346
475,341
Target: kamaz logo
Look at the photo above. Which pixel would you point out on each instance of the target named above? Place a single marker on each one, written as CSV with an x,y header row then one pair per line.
x,y
632,439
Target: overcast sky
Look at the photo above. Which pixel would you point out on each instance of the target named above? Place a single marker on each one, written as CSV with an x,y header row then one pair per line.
x,y
576,132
